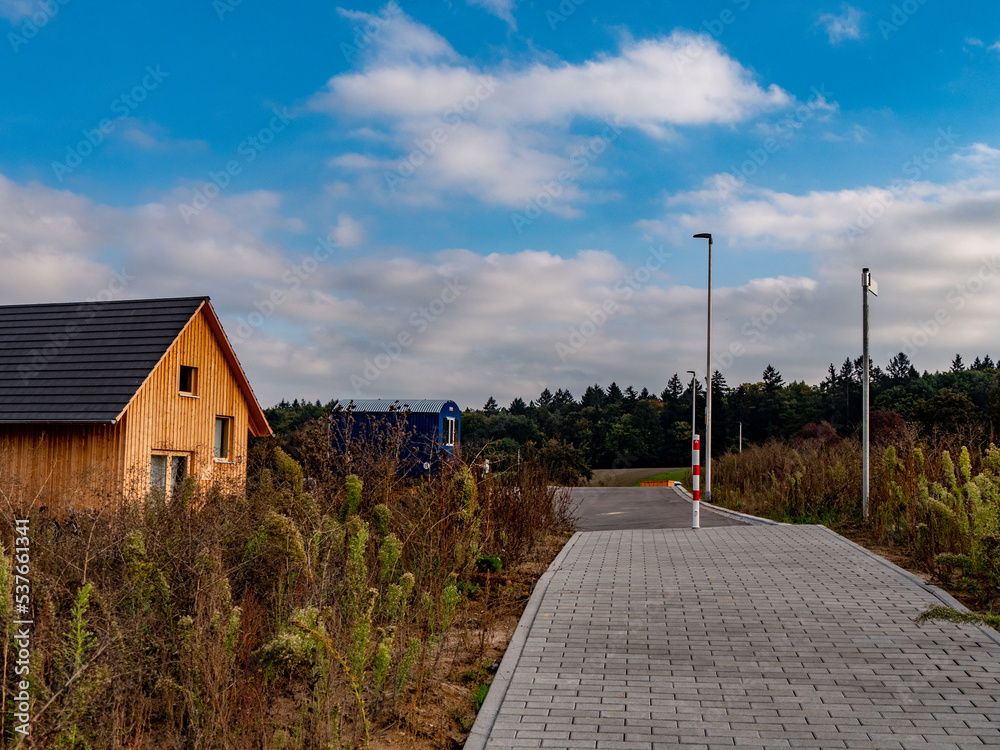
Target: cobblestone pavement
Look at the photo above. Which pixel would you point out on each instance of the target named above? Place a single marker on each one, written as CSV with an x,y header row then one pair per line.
x,y
749,636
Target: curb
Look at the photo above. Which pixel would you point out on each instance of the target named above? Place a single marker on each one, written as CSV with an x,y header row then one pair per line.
x,y
940,594
736,515
487,716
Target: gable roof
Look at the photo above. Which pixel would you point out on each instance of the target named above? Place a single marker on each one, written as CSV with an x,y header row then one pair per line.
x,y
83,362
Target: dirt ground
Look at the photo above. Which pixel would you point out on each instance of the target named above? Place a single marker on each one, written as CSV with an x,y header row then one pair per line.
x,y
441,712
621,477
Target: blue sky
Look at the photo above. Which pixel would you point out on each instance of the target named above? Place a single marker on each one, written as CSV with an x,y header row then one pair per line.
x,y
459,199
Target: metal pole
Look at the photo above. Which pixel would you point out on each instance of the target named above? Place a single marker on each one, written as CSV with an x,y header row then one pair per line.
x,y
741,437
708,378
708,393
865,280
694,416
695,491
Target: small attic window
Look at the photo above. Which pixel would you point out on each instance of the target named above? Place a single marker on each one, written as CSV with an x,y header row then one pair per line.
x,y
188,380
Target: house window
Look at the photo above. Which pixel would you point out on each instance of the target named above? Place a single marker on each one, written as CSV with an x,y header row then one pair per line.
x,y
189,380
166,475
449,430
223,432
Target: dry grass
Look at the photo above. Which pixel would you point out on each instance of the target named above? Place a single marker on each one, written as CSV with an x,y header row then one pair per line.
x,y
307,612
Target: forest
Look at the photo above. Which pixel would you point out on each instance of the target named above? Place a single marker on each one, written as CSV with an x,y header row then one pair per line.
x,y
615,427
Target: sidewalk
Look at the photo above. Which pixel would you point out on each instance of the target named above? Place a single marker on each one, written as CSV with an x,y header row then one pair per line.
x,y
749,636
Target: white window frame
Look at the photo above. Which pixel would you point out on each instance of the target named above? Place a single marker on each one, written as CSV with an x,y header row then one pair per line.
x,y
176,468
223,449
450,431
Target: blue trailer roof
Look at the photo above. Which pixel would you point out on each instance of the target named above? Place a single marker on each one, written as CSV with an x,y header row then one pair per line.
x,y
417,406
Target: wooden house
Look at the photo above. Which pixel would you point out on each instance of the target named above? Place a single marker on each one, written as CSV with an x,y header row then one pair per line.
x,y
120,399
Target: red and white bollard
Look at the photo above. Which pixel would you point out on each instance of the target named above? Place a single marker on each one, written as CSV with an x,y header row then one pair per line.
x,y
696,481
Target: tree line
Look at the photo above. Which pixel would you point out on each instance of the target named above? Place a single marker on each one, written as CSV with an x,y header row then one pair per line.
x,y
612,427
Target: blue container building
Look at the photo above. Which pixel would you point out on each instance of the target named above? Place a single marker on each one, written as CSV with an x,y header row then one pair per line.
x,y
435,428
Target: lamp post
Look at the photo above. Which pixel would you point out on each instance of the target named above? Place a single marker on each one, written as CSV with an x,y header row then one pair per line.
x,y
867,285
708,377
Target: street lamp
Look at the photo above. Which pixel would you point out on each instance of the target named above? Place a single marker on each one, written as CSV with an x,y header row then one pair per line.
x,y
868,285
708,377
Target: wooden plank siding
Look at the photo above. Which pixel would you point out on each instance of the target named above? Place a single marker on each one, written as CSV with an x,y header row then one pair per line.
x,y
60,465
76,465
162,420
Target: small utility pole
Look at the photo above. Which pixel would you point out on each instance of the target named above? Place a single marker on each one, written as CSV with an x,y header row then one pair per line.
x,y
867,285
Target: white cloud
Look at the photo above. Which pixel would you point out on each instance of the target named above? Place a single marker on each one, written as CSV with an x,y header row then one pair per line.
x,y
503,135
846,25
502,9
395,38
932,247
16,11
309,322
349,232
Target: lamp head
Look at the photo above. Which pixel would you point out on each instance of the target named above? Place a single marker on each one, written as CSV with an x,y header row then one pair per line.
x,y
704,236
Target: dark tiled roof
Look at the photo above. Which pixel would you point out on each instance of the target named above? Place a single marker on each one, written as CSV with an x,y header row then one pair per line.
x,y
83,362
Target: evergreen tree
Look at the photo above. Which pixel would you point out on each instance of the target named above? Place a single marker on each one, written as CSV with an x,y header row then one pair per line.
x,y
593,396
563,398
673,390
900,368
545,399
615,395
518,407
772,379
956,364
491,407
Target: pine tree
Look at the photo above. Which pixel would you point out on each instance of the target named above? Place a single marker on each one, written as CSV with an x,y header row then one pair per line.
x,y
518,407
900,368
491,407
773,380
956,364
593,396
545,399
615,395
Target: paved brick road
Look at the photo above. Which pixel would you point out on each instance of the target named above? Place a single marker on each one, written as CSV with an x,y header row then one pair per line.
x,y
749,636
